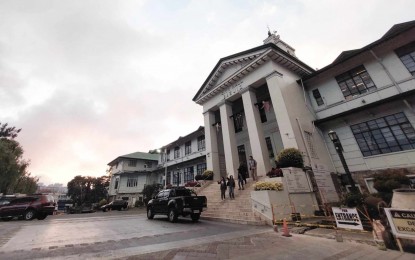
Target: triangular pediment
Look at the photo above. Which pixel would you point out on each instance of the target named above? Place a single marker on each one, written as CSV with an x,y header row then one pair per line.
x,y
230,70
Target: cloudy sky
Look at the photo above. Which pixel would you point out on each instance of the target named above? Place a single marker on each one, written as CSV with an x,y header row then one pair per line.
x,y
88,81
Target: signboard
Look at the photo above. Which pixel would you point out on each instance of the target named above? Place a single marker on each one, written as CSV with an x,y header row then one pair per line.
x,y
347,218
325,183
402,222
296,180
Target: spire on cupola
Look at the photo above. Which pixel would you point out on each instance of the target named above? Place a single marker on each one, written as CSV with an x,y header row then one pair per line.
x,y
275,39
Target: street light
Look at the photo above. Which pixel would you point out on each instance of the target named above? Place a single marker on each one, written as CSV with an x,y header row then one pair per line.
x,y
339,149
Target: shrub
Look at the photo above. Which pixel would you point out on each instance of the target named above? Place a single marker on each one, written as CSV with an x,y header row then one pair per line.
x,y
290,157
199,177
139,203
267,185
207,175
102,202
192,184
385,183
353,199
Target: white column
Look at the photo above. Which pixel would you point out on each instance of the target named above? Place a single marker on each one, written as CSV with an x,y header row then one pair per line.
x,y
211,143
255,131
229,140
275,82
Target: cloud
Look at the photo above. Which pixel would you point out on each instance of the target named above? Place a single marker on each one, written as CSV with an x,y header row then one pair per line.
x,y
91,80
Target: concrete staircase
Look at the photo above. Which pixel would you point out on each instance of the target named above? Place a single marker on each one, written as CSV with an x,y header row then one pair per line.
x,y
238,210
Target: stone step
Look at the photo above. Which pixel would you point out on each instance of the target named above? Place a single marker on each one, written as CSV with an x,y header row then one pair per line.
x,y
235,220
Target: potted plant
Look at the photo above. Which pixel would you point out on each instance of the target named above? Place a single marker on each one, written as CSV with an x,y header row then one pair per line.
x,y
290,157
208,175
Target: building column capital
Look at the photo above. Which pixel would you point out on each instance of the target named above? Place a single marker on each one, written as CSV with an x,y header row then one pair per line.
x,y
224,102
273,74
249,88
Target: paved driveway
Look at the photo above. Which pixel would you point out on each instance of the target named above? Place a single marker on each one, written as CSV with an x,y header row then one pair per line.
x,y
129,235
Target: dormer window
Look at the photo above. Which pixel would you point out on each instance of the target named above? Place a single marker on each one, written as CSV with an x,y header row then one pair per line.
x,y
317,97
355,82
407,56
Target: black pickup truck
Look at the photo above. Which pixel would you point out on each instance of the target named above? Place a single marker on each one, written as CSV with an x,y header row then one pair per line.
x,y
176,201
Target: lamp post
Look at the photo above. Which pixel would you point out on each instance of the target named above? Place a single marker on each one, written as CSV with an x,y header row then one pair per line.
x,y
339,149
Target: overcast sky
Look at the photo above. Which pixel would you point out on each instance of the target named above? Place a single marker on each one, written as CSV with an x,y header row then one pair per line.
x,y
88,81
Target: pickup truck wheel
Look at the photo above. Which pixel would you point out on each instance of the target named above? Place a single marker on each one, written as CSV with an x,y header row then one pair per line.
x,y
150,213
29,214
173,215
195,217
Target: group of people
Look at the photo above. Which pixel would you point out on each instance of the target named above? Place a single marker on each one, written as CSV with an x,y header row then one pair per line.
x,y
242,176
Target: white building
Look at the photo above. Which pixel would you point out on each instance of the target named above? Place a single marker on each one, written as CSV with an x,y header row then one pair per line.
x,y
367,96
176,164
129,173
183,159
264,99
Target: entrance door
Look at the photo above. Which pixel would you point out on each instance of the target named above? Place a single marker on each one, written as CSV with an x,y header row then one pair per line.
x,y
242,154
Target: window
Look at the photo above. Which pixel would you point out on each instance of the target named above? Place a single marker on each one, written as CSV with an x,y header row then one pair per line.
x,y
309,140
317,97
201,143
201,168
355,82
176,152
168,154
188,174
116,183
132,182
148,164
384,135
269,147
132,163
407,56
188,148
176,178
238,122
168,178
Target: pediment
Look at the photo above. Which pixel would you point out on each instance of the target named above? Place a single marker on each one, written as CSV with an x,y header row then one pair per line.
x,y
230,70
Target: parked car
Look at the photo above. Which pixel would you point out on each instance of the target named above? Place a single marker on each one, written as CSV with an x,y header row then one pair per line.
x,y
116,204
28,207
176,201
81,209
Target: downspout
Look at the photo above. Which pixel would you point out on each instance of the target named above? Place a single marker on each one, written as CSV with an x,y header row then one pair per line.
x,y
387,71
309,157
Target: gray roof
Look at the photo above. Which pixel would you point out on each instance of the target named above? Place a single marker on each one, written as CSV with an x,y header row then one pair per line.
x,y
136,155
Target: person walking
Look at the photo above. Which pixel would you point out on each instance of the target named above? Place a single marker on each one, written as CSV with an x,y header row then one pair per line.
x,y
222,183
241,177
242,171
231,184
252,167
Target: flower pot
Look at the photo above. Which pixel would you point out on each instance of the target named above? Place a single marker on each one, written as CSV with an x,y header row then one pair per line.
x,y
403,199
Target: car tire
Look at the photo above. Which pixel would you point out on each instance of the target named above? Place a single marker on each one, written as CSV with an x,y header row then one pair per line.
x,y
173,215
42,216
150,213
195,217
29,214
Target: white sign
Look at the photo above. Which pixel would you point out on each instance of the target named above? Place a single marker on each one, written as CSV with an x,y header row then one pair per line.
x,y
296,180
325,183
347,218
402,222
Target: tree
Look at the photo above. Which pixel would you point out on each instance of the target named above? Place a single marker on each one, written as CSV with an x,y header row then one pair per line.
x,y
8,132
12,165
150,190
87,189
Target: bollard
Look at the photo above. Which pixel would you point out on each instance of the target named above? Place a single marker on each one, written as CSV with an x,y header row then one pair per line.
x,y
275,227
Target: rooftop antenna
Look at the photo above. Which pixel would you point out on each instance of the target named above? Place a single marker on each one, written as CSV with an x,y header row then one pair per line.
x,y
269,31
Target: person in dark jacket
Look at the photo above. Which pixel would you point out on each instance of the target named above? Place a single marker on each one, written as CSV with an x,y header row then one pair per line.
x,y
222,183
231,184
243,171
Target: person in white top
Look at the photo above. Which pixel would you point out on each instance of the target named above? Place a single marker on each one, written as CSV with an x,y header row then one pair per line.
x,y
252,168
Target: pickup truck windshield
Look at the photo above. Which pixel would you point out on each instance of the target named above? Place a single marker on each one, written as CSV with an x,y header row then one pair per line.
x,y
181,193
